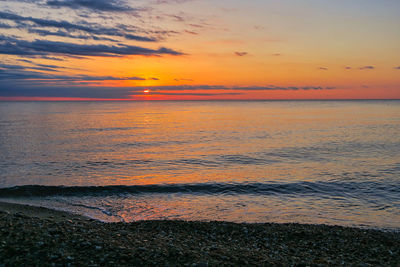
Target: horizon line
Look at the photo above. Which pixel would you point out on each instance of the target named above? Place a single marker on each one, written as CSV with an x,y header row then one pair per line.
x,y
187,100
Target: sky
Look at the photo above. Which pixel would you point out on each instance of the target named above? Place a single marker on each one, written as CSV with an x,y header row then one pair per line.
x,y
199,49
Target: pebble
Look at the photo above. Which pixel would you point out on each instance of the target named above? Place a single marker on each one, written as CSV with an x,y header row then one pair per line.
x,y
28,241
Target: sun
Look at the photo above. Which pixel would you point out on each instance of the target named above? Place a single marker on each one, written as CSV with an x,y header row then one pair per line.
x,y
146,91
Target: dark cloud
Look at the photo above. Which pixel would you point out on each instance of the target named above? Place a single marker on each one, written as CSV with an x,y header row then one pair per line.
x,y
41,67
48,58
19,75
241,54
47,35
323,68
77,92
101,92
44,22
367,68
13,46
25,1
27,74
397,68
11,67
139,38
5,26
25,60
97,5
90,92
348,68
66,28
61,33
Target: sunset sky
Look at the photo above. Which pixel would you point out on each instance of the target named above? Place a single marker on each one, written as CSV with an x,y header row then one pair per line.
x,y
199,49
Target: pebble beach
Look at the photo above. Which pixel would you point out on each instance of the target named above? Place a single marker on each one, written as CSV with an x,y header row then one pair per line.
x,y
33,236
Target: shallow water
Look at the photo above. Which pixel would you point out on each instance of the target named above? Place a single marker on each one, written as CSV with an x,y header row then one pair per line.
x,y
333,162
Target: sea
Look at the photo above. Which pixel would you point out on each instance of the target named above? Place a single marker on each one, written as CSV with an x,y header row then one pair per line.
x,y
313,162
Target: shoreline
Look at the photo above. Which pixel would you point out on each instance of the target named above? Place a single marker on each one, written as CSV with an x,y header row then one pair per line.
x,y
39,212
41,236
59,215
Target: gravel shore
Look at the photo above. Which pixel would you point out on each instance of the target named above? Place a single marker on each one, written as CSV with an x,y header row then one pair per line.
x,y
32,236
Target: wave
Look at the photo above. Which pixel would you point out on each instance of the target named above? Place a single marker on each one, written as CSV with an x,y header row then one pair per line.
x,y
338,189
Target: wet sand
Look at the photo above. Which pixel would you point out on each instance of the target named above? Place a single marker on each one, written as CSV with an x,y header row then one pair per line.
x,y
39,212
44,237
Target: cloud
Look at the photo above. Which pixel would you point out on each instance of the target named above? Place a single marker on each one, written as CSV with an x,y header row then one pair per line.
x,y
46,57
83,30
348,68
42,67
66,28
367,68
32,77
100,92
49,66
25,60
323,68
139,38
28,74
91,92
97,5
177,18
196,25
191,32
12,46
61,33
282,88
5,26
77,92
236,88
241,54
397,68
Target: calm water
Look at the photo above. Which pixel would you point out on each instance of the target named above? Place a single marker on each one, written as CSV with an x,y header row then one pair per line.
x,y
333,162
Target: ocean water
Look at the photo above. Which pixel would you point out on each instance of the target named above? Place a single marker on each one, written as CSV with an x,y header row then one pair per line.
x,y
331,162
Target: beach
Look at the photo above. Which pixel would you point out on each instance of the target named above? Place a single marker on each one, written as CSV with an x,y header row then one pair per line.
x,y
44,237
